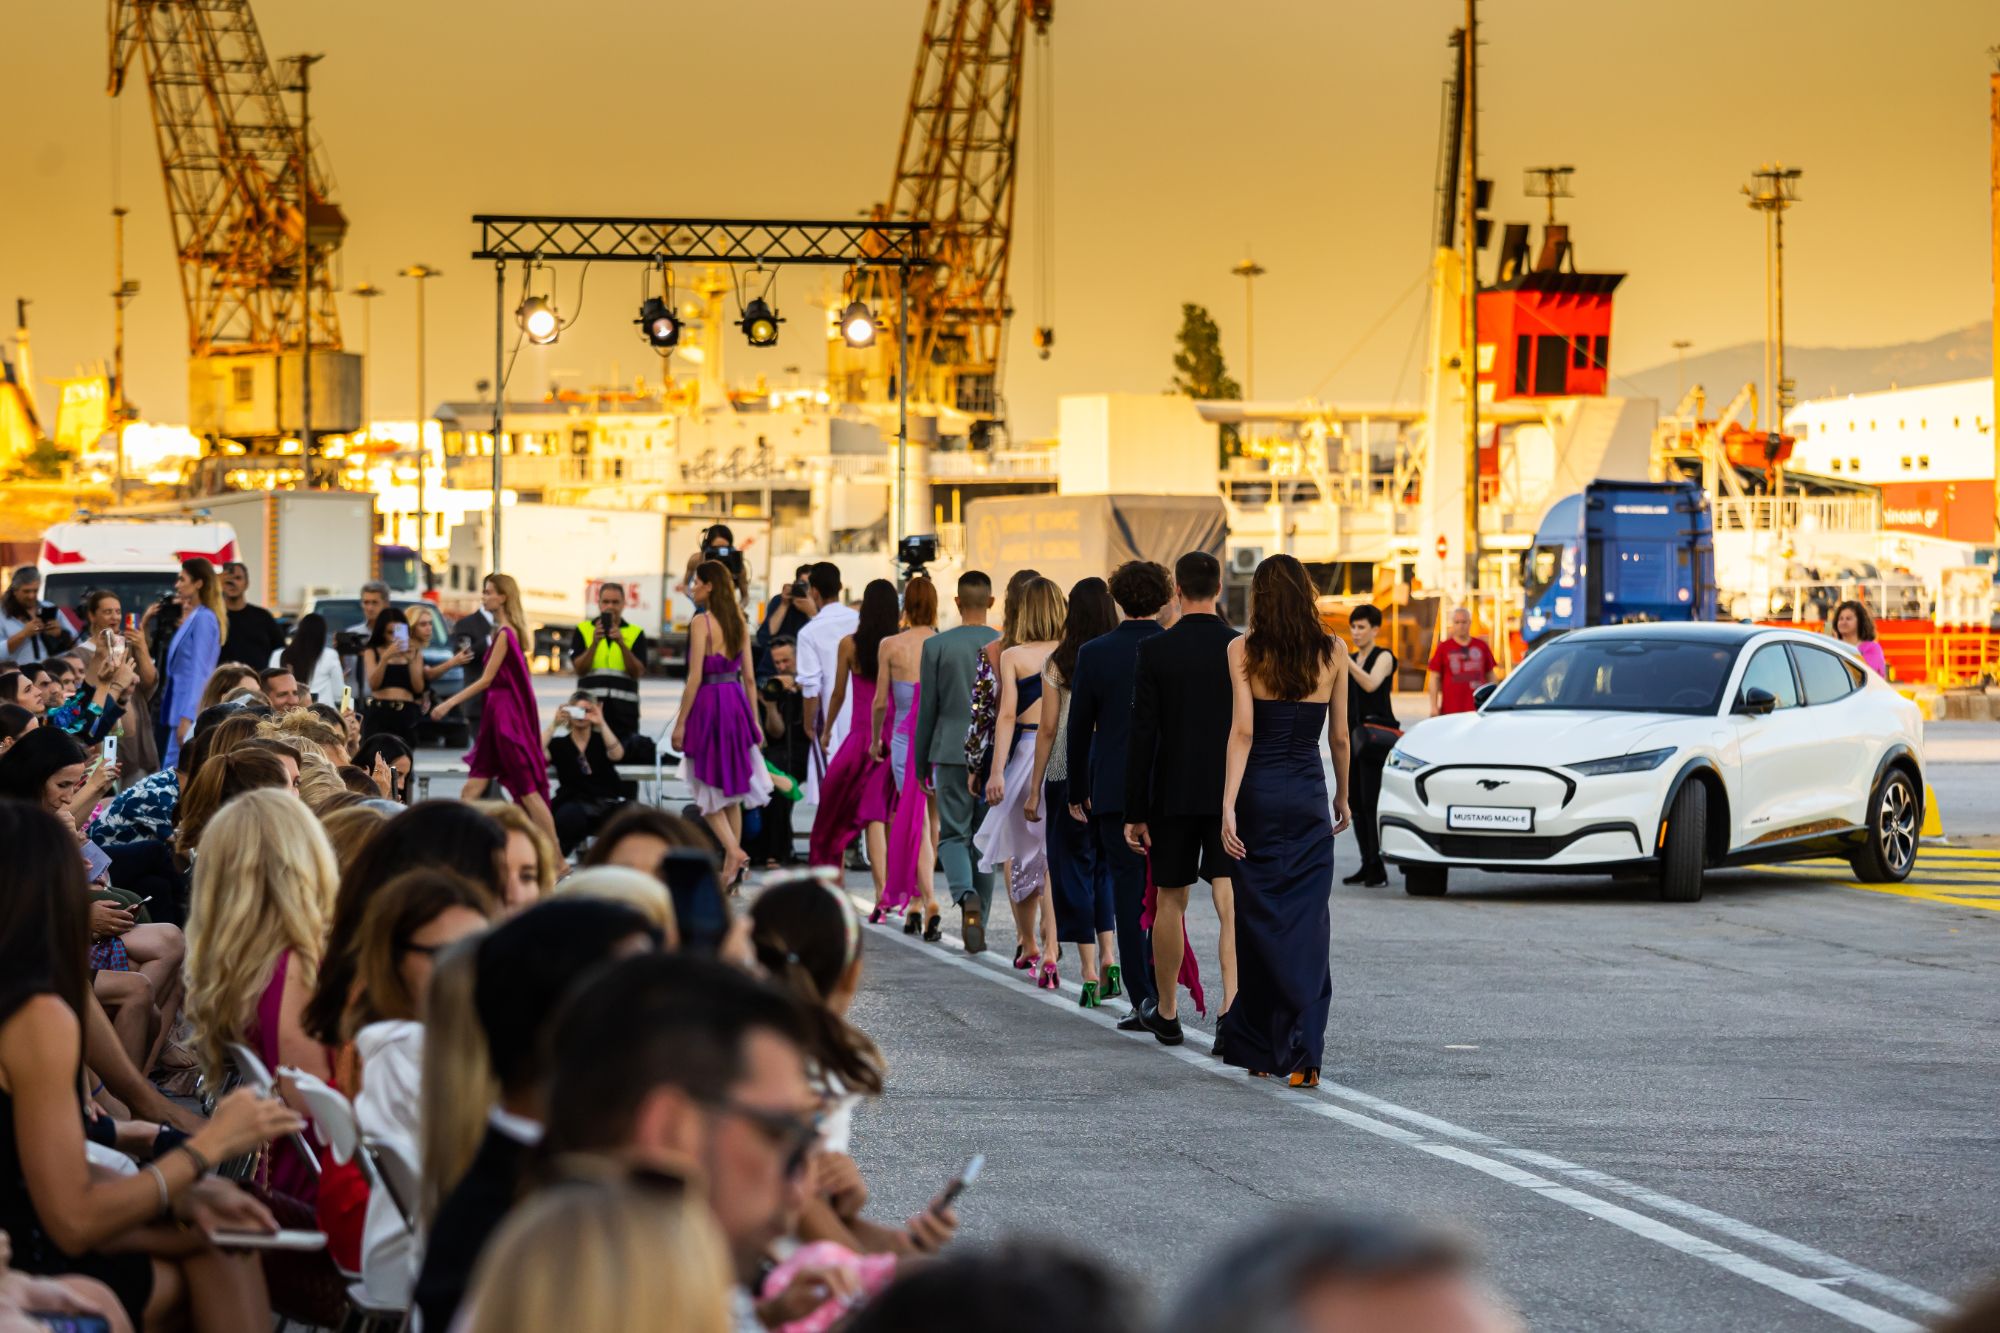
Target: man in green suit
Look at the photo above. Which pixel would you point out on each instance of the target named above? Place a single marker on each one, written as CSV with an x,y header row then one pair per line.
x,y
950,665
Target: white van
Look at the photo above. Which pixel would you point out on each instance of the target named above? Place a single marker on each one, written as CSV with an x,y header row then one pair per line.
x,y
136,558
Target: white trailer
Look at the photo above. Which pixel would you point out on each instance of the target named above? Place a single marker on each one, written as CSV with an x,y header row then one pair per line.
x,y
556,553
297,545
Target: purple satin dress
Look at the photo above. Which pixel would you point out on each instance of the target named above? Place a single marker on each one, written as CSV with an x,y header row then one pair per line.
x,y
508,748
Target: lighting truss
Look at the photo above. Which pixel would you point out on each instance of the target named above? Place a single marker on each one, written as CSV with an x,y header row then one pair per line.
x,y
508,238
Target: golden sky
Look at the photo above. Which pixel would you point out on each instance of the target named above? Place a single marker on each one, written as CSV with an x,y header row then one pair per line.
x,y
1185,131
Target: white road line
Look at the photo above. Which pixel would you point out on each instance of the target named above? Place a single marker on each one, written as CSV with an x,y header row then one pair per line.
x,y
1813,1291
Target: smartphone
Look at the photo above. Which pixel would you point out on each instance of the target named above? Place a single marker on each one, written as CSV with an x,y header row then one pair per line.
x,y
131,622
276,1240
699,908
400,635
957,1186
576,711
71,1323
95,862
110,749
141,903
347,698
461,643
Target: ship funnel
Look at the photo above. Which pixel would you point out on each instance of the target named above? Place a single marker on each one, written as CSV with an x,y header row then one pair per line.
x,y
1555,249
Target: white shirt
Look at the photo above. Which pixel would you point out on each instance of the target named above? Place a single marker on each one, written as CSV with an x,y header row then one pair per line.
x,y
327,680
819,663
390,1108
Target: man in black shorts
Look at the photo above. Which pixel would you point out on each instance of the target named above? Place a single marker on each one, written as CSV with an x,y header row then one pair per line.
x,y
1181,714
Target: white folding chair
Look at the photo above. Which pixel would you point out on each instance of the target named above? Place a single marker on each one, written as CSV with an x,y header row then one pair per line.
x,y
334,1120
253,1073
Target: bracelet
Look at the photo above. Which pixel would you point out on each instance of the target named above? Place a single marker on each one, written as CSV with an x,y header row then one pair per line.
x,y
160,1179
202,1166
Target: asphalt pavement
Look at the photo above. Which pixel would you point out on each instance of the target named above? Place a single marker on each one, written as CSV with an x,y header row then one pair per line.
x,y
1772,1109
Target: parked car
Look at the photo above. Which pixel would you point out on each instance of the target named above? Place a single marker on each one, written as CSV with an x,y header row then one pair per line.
x,y
1666,748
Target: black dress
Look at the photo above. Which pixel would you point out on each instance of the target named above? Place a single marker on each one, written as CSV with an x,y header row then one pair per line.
x,y
1365,769
1284,883
130,1276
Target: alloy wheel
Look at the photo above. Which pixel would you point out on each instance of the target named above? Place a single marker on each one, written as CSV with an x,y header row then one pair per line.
x,y
1896,825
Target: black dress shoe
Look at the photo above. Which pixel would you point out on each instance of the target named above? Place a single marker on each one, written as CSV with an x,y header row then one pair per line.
x,y
1132,1023
1216,1050
1360,876
1166,1031
972,928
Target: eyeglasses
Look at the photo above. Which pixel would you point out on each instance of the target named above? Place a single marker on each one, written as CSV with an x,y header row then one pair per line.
x,y
794,1135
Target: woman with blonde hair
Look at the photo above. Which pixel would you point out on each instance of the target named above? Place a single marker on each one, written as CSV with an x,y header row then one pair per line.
x,y
224,681
508,748
1006,835
349,830
531,857
635,888
459,1084
597,1256
263,897
717,727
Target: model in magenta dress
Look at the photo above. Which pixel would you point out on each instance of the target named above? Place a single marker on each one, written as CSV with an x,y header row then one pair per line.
x,y
909,876
508,748
724,766
857,790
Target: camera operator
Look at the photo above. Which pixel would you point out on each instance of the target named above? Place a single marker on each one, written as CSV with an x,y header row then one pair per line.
x,y
585,753
610,656
33,628
782,709
788,611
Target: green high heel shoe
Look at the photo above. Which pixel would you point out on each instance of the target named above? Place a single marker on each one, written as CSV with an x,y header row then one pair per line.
x,y
1111,990
1090,998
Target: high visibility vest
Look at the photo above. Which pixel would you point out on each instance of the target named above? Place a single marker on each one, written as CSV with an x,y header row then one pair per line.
x,y
599,653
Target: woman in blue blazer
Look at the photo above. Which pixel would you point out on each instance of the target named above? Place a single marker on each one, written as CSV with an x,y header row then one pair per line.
x,y
191,653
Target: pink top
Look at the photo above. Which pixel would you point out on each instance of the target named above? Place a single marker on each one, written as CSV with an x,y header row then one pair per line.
x,y
1871,653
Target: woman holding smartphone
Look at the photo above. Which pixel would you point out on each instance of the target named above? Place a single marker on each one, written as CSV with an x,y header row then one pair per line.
x,y
395,673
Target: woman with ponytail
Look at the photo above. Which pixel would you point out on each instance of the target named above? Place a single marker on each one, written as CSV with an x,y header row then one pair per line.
x,y
807,936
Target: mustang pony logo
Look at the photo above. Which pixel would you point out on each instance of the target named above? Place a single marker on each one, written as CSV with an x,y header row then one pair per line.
x,y
1493,784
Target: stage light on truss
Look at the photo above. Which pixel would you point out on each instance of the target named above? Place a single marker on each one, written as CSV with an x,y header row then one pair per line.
x,y
538,321
760,323
658,323
857,325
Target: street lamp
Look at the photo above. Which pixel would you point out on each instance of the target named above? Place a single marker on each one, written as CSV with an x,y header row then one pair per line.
x,y
367,291
1680,346
1772,190
421,272
1249,270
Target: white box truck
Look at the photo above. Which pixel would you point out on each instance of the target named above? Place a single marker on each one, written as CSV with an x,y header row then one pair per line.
x,y
297,544
556,553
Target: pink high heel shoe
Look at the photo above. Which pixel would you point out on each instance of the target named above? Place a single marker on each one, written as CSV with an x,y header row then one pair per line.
x,y
1049,980
1027,962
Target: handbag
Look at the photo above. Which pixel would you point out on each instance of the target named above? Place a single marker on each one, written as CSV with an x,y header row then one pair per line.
x,y
1379,736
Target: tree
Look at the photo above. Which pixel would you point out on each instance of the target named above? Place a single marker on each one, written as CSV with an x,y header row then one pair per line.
x,y
1199,371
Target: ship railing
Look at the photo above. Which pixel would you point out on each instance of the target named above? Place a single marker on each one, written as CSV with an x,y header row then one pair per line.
x,y
1812,603
1798,513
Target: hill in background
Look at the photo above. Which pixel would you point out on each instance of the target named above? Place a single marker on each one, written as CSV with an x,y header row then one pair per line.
x,y
1824,372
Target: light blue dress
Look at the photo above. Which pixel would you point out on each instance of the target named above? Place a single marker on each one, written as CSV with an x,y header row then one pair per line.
x,y
191,658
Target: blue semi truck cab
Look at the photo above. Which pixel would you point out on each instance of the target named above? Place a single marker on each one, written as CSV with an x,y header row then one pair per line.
x,y
1620,552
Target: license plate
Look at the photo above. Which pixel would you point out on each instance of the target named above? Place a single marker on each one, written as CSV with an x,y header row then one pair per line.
x,y
1490,819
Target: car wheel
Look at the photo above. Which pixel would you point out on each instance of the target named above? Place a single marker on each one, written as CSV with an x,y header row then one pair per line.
x,y
1895,815
1686,849
1424,881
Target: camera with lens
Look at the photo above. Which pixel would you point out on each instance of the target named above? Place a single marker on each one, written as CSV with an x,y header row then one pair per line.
x,y
774,689
350,642
916,551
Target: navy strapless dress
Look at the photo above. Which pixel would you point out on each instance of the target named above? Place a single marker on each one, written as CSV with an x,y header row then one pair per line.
x,y
1284,888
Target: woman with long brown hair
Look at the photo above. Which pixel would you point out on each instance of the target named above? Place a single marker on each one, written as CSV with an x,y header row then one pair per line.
x,y
717,726
508,749
855,795
1289,676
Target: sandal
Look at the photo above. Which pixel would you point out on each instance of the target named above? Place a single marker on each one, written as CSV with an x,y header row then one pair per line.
x,y
1090,998
1304,1078
1112,990
1027,963
1048,979
934,929
913,923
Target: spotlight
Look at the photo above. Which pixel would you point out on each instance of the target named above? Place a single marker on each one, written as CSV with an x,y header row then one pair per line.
x,y
857,324
760,323
537,319
657,322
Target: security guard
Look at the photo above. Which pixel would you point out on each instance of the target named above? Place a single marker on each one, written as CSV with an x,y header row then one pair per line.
x,y
609,657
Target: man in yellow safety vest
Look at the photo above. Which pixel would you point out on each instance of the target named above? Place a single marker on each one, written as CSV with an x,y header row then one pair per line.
x,y
609,657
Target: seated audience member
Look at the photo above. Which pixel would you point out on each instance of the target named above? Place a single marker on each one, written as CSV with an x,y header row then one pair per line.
x,y
638,890
596,1256
531,859
526,967
147,811
457,1079
308,729
409,921
354,778
395,756
320,786
1020,1284
225,678
262,895
448,834
222,779
282,689
15,722
585,755
348,831
66,1218
639,835
807,938
1335,1273
703,1067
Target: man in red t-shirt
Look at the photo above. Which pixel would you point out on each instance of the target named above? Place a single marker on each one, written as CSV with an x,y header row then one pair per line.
x,y
1460,665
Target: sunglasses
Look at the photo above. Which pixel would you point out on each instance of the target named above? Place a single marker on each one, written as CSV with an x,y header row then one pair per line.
x,y
793,1135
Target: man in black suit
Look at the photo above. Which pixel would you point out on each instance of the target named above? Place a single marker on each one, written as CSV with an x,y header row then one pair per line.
x,y
1182,702
525,968
1100,725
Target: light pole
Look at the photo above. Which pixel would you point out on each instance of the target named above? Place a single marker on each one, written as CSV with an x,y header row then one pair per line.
x,y
304,90
368,291
1772,190
421,272
1680,346
123,292
1249,270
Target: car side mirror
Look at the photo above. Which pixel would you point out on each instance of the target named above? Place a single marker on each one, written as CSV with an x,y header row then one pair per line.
x,y
1756,702
1483,693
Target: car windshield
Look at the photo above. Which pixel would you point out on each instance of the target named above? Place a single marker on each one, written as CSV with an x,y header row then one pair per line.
x,y
1619,676
136,591
344,613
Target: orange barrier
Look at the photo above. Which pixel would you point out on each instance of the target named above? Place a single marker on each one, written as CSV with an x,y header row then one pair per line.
x,y
1919,653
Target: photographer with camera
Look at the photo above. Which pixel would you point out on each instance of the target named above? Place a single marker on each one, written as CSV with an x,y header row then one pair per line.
x,y
610,656
585,753
788,612
34,629
781,707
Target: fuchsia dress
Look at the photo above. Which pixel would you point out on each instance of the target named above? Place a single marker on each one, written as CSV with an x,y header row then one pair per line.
x,y
912,814
508,748
724,766
856,790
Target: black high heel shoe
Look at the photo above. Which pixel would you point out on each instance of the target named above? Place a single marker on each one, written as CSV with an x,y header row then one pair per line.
x,y
913,923
934,929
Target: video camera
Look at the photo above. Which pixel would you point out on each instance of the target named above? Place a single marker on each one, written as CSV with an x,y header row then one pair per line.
x,y
916,551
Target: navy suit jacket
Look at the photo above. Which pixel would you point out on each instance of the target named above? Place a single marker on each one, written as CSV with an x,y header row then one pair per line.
x,y
1100,712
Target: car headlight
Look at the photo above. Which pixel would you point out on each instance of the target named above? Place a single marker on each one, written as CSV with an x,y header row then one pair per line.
x,y
1402,761
1643,762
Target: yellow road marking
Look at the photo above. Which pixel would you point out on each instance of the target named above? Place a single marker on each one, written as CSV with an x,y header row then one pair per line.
x,y
1971,894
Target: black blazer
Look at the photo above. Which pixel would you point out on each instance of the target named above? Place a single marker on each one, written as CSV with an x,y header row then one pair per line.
x,y
471,1213
1182,706
1100,713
